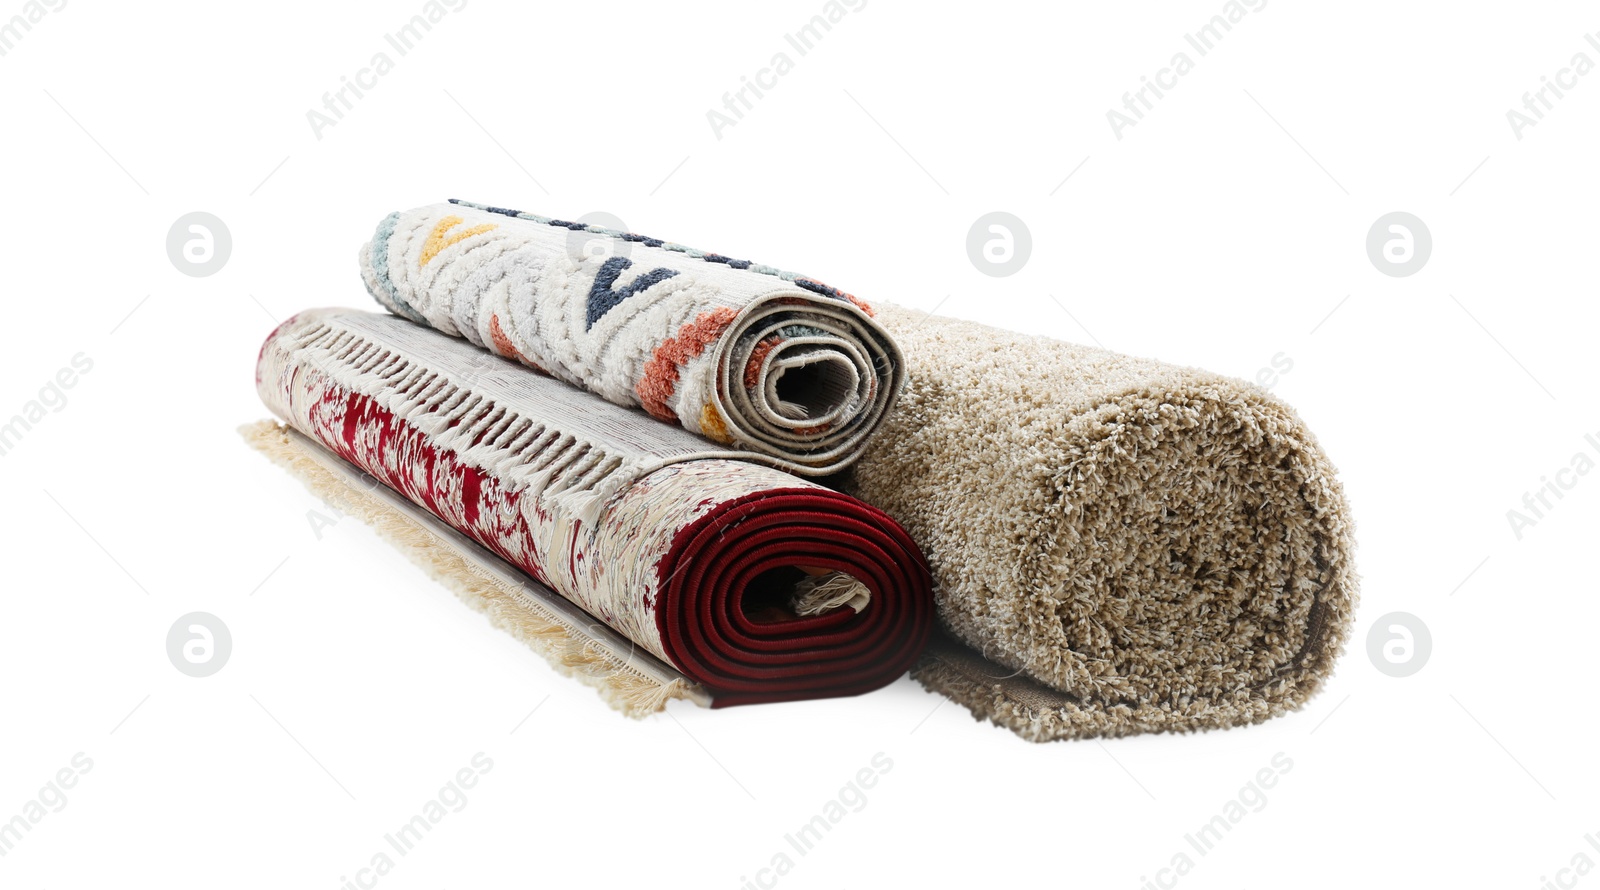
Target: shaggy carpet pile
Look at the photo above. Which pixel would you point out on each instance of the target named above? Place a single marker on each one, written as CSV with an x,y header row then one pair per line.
x,y
1118,545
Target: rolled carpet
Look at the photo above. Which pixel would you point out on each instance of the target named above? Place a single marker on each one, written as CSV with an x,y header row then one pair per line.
x,y
1118,545
754,584
744,354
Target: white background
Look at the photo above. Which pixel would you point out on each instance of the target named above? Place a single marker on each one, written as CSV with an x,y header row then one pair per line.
x,y
1225,228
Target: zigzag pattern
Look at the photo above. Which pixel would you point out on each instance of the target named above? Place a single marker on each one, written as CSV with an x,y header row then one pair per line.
x,y
694,338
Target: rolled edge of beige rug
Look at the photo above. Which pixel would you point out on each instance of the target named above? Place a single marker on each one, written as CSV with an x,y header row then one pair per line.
x,y
1118,545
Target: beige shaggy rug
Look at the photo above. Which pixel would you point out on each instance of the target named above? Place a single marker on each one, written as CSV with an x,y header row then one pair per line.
x,y
1118,545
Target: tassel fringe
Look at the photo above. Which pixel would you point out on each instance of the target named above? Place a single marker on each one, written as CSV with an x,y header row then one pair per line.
x,y
563,644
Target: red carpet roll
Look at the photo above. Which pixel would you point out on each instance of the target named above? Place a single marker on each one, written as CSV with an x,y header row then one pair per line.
x,y
711,619
755,584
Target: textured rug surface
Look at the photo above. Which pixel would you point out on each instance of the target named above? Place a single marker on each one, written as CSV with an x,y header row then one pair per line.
x,y
744,354
753,583
573,642
1118,545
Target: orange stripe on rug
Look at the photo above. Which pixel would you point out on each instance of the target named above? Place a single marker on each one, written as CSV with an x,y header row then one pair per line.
x,y
660,377
502,343
752,368
504,346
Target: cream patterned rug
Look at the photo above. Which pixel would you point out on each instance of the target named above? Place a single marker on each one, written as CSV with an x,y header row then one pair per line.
x,y
752,584
744,354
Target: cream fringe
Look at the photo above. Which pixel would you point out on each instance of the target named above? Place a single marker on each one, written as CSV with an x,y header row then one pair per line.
x,y
552,464
817,594
567,648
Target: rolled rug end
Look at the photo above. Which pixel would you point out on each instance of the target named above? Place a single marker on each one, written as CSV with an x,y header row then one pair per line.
x,y
1120,545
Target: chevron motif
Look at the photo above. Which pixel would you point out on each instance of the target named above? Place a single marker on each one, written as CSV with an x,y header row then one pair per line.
x,y
603,299
438,239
